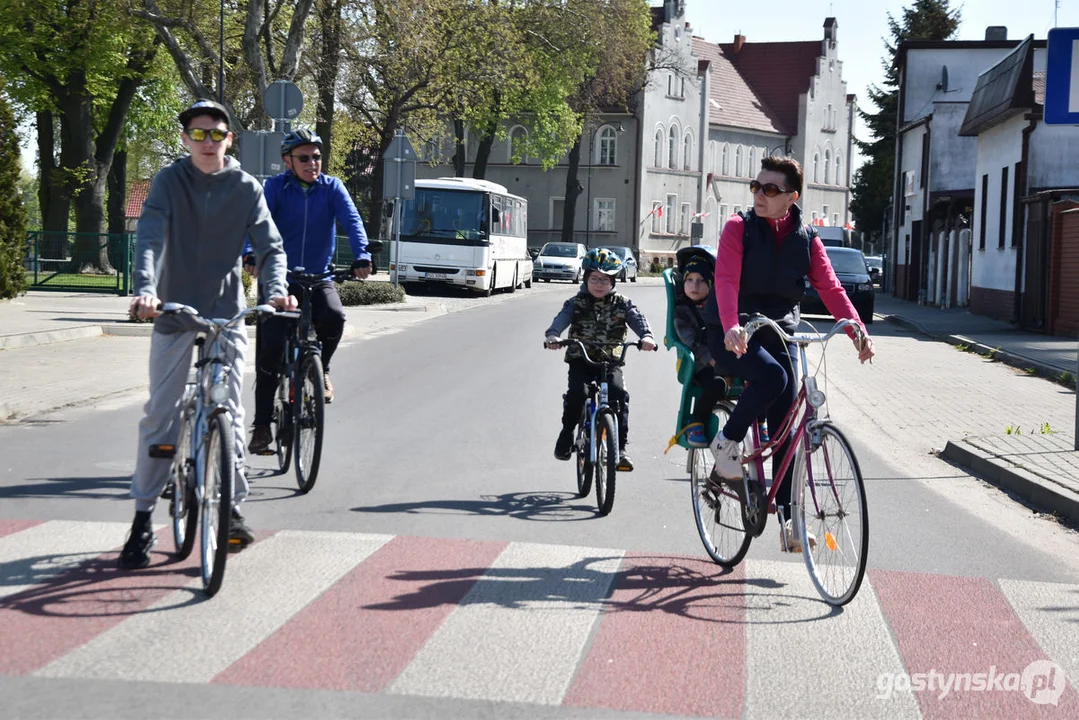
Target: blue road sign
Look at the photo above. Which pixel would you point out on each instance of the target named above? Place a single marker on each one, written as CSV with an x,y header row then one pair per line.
x,y
1062,77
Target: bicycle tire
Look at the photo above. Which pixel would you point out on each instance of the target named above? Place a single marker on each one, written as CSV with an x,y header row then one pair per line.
x,y
836,512
584,461
717,509
184,504
606,460
282,413
216,504
309,411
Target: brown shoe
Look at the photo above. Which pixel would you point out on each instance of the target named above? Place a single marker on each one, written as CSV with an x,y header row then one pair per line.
x,y
261,437
328,388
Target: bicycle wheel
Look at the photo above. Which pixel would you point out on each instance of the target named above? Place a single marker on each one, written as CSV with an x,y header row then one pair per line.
x,y
717,508
282,417
310,404
832,509
183,507
606,461
584,463
216,500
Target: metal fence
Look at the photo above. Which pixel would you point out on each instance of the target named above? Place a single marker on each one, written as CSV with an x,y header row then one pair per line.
x,y
83,262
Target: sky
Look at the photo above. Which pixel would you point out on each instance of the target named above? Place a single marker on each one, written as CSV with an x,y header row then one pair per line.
x,y
863,28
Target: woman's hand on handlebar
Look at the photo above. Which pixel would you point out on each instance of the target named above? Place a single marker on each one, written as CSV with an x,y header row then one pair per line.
x,y
284,303
864,345
736,341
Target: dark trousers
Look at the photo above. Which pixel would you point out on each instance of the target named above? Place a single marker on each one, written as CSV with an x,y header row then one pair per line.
x,y
328,318
770,370
713,389
580,374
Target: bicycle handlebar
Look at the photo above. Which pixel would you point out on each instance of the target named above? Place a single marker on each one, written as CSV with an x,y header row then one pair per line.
x,y
584,352
759,321
172,308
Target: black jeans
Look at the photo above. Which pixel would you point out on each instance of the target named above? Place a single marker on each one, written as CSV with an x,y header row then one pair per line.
x,y
580,374
713,389
328,318
770,370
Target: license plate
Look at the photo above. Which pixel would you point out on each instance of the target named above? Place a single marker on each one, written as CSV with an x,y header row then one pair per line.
x,y
435,276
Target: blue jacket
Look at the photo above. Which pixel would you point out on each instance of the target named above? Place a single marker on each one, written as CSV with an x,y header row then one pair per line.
x,y
307,220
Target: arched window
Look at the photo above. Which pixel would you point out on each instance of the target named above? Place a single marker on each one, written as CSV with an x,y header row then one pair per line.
x,y
607,145
725,164
827,166
713,148
752,169
657,161
672,148
816,167
518,140
838,169
687,151
738,161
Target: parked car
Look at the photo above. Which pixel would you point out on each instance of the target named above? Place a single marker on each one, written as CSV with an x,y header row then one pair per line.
x,y
629,263
559,261
833,236
876,268
850,267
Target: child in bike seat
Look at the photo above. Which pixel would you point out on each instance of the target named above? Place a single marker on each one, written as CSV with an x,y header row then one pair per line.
x,y
696,314
597,314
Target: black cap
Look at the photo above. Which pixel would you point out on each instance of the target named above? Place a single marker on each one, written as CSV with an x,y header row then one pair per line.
x,y
206,107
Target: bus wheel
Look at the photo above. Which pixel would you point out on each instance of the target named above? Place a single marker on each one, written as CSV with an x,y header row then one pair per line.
x,y
514,285
491,288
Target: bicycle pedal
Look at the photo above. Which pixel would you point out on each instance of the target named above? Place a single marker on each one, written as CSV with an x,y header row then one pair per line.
x,y
236,545
162,451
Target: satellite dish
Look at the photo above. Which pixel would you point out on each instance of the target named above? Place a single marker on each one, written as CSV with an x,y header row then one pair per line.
x,y
943,84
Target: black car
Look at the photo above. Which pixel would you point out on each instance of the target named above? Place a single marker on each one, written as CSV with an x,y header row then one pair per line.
x,y
850,267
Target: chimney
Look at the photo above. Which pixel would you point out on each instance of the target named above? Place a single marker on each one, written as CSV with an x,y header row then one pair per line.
x,y
739,41
996,32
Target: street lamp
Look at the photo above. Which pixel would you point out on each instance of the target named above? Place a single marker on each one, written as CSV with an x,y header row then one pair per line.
x,y
588,197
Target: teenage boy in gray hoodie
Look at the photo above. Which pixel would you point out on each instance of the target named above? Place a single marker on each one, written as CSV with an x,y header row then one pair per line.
x,y
189,245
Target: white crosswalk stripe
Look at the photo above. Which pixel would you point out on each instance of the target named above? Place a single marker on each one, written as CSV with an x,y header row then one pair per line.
x,y
52,548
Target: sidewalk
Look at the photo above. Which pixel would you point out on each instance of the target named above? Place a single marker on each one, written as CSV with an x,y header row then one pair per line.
x,y
1042,470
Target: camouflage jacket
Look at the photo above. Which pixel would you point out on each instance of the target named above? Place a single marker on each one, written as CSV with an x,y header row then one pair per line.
x,y
598,321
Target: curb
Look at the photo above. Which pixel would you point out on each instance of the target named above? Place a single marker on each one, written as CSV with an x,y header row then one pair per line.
x,y
1050,372
48,337
1022,483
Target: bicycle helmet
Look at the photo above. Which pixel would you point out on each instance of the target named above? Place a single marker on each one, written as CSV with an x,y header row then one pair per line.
x,y
603,260
296,138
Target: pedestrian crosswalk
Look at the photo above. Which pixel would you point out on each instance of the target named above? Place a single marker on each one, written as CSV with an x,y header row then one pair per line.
x,y
546,625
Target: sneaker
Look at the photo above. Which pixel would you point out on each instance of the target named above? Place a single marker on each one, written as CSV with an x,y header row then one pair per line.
x,y
624,462
240,536
563,447
328,386
695,435
728,454
793,543
261,437
136,552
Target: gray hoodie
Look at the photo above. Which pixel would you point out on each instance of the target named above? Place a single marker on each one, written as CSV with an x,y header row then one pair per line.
x,y
190,241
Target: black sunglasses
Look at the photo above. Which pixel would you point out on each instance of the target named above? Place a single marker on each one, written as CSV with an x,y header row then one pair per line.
x,y
307,158
769,189
199,134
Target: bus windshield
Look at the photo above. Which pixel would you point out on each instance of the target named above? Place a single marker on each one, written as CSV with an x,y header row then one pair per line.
x,y
440,216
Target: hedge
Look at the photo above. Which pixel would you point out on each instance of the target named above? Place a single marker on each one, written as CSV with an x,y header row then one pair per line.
x,y
373,292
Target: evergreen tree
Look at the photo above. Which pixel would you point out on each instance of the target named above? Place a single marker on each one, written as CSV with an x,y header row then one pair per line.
x,y
12,212
873,183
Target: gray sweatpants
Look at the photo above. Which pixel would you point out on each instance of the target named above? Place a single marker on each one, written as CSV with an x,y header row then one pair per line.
x,y
170,361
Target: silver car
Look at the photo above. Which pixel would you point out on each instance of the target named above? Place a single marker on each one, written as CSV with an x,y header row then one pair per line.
x,y
629,262
559,261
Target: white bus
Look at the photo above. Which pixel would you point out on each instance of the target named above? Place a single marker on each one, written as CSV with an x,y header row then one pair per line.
x,y
466,232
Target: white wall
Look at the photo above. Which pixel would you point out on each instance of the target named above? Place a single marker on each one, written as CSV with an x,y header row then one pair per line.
x,y
922,73
998,147
911,144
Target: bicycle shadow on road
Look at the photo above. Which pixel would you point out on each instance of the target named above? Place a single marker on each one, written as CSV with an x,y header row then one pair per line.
x,y
78,488
546,507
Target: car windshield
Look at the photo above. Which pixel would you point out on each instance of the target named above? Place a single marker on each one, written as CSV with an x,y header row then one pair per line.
x,y
851,263
559,250
619,251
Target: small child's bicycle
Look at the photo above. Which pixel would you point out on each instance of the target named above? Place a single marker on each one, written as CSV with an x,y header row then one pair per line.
x,y
597,432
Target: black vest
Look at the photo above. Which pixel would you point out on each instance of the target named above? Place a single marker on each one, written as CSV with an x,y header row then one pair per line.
x,y
773,276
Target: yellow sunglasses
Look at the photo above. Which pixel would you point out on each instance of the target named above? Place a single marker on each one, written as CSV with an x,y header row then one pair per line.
x,y
199,134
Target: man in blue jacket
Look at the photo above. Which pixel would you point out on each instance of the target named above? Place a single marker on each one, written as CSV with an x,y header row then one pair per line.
x,y
307,207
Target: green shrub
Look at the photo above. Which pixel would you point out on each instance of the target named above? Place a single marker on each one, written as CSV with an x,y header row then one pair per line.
x,y
370,293
247,281
12,212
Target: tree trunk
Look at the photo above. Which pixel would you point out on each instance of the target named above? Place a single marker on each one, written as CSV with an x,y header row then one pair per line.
x,y
483,152
458,147
329,12
52,194
117,207
89,252
573,191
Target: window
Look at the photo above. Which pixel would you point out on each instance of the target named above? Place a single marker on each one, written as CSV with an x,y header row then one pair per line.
x,y
828,125
432,151
925,160
670,85
558,212
713,151
604,215
684,218
672,148
725,164
607,146
687,150
827,167
518,139
722,214
658,151
985,203
657,217
835,219
816,167
752,162
737,209
682,90
824,213
1017,216
839,179
1003,205
738,161
672,205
